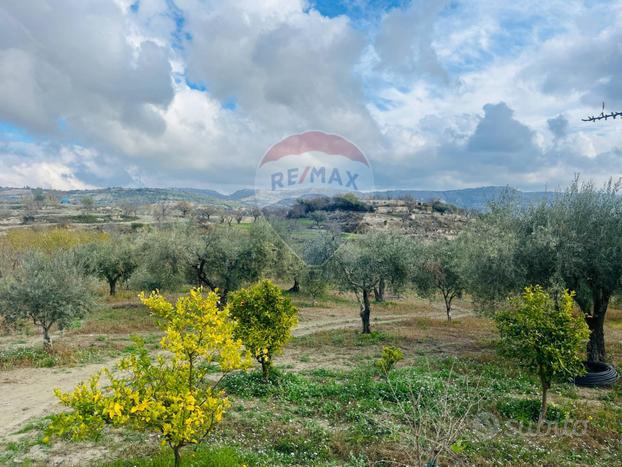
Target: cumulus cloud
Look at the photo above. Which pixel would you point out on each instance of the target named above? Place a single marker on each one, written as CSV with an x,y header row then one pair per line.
x,y
192,92
585,63
558,126
498,132
404,42
73,60
286,68
27,164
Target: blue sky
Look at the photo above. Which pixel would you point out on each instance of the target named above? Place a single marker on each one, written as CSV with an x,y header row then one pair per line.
x,y
438,94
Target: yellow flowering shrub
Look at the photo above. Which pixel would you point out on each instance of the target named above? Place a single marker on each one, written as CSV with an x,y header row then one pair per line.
x,y
170,394
390,356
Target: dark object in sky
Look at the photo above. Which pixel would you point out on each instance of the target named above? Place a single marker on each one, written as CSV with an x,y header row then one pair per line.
x,y
602,116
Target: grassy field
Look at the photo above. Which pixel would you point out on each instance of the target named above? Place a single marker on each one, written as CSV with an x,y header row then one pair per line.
x,y
329,405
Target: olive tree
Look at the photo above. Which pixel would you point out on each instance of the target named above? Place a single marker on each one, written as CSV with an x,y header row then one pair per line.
x,y
87,203
545,336
573,240
315,275
165,259
227,258
287,265
112,260
48,290
439,269
588,224
490,268
318,217
360,265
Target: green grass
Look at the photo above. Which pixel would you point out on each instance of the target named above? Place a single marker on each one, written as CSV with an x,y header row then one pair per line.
x,y
527,411
354,416
340,338
61,355
107,320
218,456
87,219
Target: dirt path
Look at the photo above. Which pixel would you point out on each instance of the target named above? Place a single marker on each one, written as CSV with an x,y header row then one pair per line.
x,y
26,393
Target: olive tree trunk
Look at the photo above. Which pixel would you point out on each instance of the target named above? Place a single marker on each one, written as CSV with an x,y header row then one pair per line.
x,y
296,287
448,296
112,284
379,291
596,323
544,403
366,312
47,340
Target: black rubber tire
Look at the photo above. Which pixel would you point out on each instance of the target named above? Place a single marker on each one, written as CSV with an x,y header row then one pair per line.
x,y
598,374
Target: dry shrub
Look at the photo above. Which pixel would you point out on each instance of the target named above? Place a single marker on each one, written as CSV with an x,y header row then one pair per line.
x,y
433,437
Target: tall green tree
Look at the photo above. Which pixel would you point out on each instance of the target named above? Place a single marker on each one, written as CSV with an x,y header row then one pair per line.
x,y
165,259
588,223
490,265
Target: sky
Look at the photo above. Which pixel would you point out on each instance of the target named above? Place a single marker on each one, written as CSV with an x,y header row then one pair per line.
x,y
191,93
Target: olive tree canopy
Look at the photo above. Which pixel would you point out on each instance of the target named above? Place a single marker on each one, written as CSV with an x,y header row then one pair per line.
x,y
227,258
362,263
574,241
48,290
438,268
112,260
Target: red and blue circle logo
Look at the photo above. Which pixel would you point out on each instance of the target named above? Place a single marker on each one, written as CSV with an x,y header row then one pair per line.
x,y
311,164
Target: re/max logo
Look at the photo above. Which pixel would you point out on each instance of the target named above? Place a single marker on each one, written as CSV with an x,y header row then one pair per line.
x,y
295,176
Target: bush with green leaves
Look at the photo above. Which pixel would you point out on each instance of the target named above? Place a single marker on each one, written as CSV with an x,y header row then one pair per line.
x,y
47,290
265,319
527,411
542,332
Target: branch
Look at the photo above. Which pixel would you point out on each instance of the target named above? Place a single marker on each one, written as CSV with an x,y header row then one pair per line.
x,y
602,116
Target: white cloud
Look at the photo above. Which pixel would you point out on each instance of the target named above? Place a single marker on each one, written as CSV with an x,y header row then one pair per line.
x,y
102,89
24,164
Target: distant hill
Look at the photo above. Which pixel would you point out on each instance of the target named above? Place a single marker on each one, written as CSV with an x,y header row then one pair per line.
x,y
241,195
476,199
470,198
116,195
